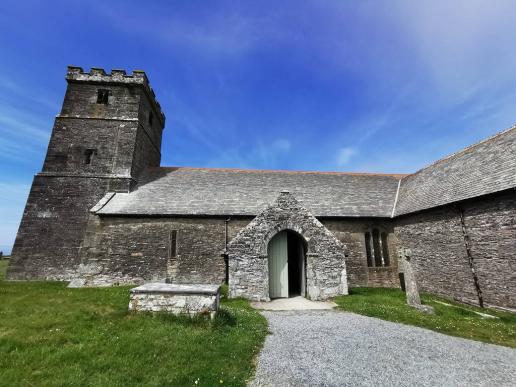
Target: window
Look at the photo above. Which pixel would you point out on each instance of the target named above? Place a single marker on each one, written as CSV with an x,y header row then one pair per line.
x,y
102,96
377,248
173,243
88,156
151,118
368,249
385,250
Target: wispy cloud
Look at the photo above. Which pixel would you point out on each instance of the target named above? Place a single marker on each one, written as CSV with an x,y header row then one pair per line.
x,y
9,87
461,42
344,155
12,201
24,124
262,154
217,33
22,136
268,154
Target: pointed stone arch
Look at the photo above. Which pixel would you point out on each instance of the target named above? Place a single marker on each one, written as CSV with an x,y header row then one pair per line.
x,y
248,261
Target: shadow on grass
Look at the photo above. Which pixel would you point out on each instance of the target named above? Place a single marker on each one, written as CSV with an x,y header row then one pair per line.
x,y
224,318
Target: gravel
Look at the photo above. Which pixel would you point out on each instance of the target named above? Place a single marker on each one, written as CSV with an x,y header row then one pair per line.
x,y
329,348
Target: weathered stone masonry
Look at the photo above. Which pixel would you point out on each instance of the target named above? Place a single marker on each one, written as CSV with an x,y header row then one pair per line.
x,y
351,233
94,148
248,261
436,241
131,250
134,250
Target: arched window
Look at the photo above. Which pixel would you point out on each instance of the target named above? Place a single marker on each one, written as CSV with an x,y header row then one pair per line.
x,y
377,248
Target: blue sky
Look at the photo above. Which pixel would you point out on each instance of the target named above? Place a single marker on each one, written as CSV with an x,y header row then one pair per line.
x,y
373,86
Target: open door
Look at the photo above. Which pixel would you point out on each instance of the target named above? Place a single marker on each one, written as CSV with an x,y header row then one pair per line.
x,y
278,265
302,268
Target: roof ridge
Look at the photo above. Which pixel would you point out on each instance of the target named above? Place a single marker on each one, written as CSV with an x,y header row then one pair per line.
x,y
395,175
463,150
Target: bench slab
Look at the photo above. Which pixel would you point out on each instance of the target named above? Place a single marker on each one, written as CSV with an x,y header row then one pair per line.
x,y
190,299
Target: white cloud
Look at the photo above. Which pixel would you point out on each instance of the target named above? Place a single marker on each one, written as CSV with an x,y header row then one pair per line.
x,y
281,146
460,42
345,154
268,154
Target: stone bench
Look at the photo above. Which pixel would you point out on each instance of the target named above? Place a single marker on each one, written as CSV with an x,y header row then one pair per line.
x,y
191,299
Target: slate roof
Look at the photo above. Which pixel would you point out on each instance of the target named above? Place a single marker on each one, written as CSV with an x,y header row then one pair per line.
x,y
483,168
197,191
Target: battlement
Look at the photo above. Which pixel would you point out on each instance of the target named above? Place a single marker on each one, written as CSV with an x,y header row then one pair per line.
x,y
117,76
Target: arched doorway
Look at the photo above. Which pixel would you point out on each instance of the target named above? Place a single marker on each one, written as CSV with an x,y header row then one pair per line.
x,y
287,267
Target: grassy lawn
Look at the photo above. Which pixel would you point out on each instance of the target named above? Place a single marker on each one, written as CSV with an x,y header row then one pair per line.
x,y
3,268
457,320
54,336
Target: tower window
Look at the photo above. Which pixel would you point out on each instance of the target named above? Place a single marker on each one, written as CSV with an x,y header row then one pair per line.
x,y
88,156
102,96
151,118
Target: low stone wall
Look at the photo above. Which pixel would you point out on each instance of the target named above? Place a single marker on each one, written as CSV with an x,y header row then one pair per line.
x,y
176,299
383,277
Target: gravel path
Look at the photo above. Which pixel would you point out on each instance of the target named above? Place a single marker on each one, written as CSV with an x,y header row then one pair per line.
x,y
329,348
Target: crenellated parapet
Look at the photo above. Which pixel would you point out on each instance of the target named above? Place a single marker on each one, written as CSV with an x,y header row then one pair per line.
x,y
117,76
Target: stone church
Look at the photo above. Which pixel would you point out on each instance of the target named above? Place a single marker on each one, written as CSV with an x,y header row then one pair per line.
x,y
104,212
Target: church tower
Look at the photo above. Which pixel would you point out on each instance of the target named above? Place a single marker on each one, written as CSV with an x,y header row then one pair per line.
x,y
109,130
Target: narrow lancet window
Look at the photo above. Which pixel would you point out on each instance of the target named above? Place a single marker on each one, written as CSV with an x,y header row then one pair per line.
x,y
369,254
173,243
385,250
377,249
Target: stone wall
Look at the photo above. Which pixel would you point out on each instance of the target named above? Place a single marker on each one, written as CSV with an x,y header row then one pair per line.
x,y
120,250
134,250
111,141
53,225
436,241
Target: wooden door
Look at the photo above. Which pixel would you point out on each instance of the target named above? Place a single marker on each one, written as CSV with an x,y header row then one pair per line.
x,y
278,265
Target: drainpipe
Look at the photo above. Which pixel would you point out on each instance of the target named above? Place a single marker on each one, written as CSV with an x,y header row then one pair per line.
x,y
470,257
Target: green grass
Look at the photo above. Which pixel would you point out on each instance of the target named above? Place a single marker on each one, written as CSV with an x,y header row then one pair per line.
x,y
54,336
456,320
3,268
